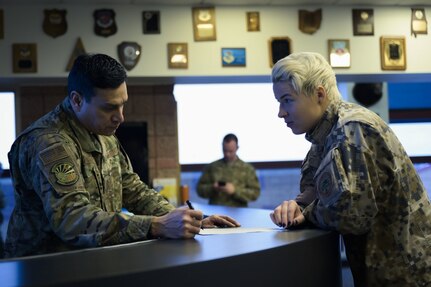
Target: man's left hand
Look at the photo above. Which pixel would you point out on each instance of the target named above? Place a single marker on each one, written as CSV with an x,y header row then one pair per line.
x,y
219,221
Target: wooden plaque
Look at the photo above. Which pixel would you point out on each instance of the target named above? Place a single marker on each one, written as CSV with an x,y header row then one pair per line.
x,y
204,28
24,58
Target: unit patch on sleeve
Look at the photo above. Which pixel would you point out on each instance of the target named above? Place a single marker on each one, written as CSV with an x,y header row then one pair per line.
x,y
65,173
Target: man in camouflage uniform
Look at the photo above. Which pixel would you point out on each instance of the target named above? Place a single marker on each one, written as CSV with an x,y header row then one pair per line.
x,y
356,179
72,178
229,181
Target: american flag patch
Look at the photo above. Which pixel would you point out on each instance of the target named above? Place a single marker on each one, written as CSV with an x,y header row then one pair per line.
x,y
53,154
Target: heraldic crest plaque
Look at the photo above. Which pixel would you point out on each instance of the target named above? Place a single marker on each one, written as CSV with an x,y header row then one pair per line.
x,y
104,22
129,54
54,23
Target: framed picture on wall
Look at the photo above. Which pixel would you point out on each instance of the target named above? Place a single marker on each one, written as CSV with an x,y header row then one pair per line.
x,y
233,57
339,53
204,28
279,47
178,57
393,53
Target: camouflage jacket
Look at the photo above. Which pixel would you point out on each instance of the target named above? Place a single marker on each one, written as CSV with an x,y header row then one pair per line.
x,y
70,187
367,189
241,174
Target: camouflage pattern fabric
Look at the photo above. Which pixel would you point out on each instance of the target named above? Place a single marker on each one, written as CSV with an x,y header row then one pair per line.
x,y
241,174
70,187
367,188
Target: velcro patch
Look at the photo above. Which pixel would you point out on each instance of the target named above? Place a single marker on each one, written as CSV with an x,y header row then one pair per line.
x,y
53,154
65,173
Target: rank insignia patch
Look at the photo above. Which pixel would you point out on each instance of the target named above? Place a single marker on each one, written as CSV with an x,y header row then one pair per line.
x,y
65,173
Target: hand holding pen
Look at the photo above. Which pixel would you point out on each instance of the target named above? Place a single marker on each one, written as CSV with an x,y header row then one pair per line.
x,y
179,223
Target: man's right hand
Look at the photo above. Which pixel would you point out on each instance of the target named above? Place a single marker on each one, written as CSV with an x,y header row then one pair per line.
x,y
179,223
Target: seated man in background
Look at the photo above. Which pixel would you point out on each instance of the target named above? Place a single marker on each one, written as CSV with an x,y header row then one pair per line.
x,y
71,177
356,179
229,181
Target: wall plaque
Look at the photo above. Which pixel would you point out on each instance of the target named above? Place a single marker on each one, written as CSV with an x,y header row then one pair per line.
x,y
151,22
393,53
363,22
24,58
204,28
178,56
279,47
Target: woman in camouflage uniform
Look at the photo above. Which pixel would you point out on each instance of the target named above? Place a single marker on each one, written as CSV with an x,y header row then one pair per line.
x,y
356,179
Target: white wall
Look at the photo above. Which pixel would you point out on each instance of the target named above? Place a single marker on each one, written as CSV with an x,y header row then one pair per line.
x,y
23,24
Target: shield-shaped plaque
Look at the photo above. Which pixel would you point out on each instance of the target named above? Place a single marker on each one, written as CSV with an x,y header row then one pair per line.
x,y
309,22
104,22
129,54
54,23
367,94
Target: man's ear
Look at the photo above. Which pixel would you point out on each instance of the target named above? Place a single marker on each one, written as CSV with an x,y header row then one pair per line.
x,y
76,100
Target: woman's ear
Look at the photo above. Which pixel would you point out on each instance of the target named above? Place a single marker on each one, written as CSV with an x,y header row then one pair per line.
x,y
321,95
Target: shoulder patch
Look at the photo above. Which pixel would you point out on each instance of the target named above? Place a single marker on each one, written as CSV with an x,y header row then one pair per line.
x,y
65,173
53,154
325,184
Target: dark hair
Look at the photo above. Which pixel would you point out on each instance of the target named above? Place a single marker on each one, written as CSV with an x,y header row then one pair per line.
x,y
91,71
230,137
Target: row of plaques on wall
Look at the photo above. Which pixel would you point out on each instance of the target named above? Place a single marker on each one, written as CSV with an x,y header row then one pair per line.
x,y
25,55
392,54
204,22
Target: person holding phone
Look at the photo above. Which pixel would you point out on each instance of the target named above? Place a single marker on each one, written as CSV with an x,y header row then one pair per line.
x,y
229,181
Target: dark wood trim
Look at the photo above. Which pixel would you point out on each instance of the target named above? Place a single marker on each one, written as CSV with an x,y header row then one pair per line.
x,y
410,115
421,159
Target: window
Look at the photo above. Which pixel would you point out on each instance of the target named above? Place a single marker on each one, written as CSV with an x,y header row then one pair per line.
x,y
207,112
7,125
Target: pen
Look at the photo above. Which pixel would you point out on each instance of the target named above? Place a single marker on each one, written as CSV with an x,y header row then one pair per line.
x,y
189,204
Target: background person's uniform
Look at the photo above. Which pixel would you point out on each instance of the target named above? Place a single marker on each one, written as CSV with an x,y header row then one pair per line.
x,y
241,174
70,187
368,190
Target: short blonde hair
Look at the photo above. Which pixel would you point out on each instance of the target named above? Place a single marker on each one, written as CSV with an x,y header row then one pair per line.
x,y
305,72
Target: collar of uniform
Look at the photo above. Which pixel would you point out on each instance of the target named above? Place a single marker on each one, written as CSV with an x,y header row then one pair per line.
x,y
324,126
237,160
88,141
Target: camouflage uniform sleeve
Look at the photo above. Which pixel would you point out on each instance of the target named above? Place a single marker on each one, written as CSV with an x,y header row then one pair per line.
x,y
138,197
58,180
308,192
205,184
346,184
249,189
